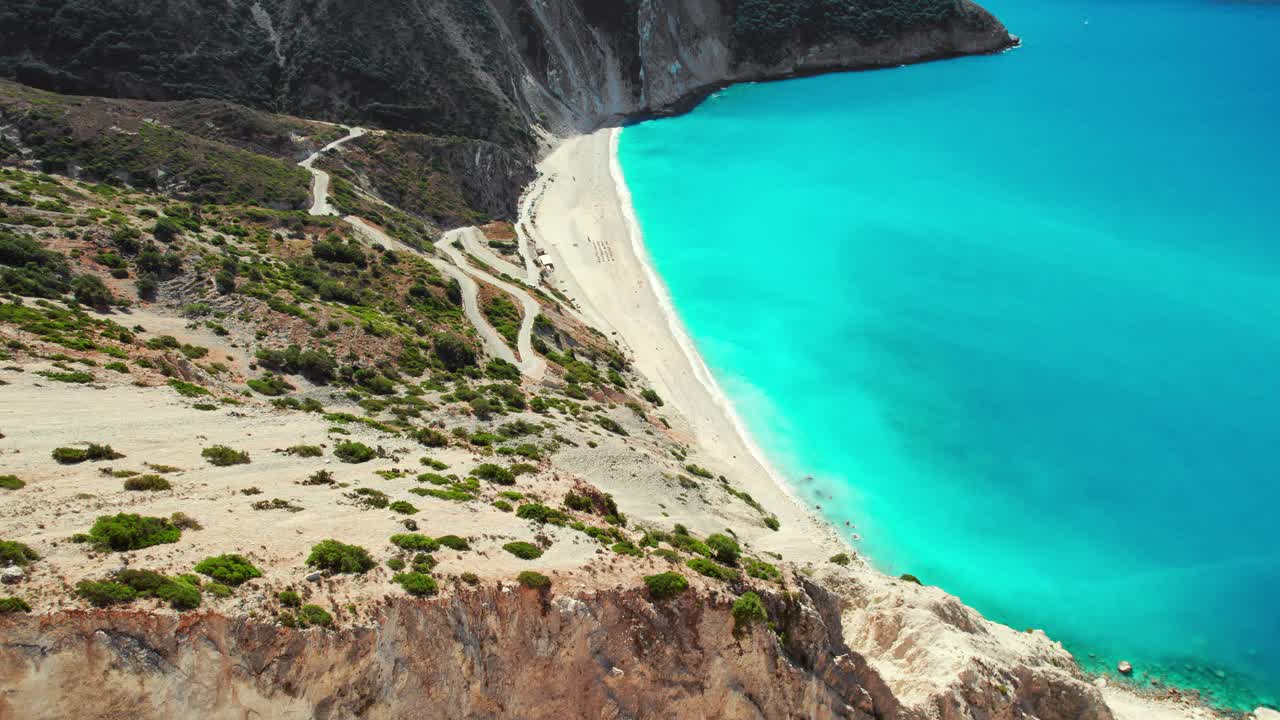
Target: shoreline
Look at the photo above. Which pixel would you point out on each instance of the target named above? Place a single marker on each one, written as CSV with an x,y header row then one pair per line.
x,y
585,222
579,202
681,334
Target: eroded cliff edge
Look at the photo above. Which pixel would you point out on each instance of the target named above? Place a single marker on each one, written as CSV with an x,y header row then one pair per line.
x,y
491,652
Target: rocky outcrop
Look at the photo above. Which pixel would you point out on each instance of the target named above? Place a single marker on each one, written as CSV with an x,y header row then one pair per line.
x,y
484,653
492,652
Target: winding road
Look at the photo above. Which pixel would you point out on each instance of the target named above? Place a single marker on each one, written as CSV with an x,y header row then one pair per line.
x,y
320,179
529,362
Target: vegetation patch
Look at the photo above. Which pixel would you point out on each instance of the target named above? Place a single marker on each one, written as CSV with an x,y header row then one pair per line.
x,y
417,584
223,456
233,570
147,483
712,569
16,553
127,531
747,611
415,542
340,557
13,605
534,580
402,507
11,482
186,389
665,586
523,550
354,452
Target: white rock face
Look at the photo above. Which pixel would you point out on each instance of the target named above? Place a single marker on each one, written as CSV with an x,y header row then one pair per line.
x,y
1125,667
1266,714
11,574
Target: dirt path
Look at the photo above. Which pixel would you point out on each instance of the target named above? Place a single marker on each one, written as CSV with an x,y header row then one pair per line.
x,y
530,363
494,345
525,227
320,179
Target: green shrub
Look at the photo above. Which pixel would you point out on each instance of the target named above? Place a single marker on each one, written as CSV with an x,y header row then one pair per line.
x,y
415,542
494,473
314,615
430,437
610,424
103,594
417,584
713,570
665,586
626,547
454,352
841,559
453,542
270,385
772,523
306,451
289,598
503,505
538,512
908,577
339,557
534,580
16,553
699,471
77,377
396,564
319,477
217,590
71,456
127,531
354,452
223,456
186,389
233,570
747,611
13,605
11,482
404,508
90,290
523,550
581,503
180,594
147,483
370,498
470,578
762,570
725,548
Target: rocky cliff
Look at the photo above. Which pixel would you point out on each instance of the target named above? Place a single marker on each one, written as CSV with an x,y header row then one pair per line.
x,y
485,69
494,652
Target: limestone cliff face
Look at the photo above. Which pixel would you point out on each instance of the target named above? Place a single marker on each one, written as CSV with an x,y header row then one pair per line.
x,y
586,73
495,652
488,653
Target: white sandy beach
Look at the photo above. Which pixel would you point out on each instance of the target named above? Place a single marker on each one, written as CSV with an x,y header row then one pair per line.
x,y
581,221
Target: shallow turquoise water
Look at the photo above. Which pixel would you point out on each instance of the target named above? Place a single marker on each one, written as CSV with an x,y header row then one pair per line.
x,y
1017,316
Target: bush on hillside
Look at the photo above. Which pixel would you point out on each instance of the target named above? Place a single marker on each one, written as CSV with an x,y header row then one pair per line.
x,y
339,557
233,570
523,550
534,580
667,585
223,456
417,584
127,531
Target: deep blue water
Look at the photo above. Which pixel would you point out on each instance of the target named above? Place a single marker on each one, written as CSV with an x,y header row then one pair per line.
x,y
1018,316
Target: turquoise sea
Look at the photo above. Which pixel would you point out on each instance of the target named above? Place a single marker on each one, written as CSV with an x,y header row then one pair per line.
x,y
1017,316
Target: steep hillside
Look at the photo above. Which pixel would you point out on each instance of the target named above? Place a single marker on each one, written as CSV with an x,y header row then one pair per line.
x,y
485,69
